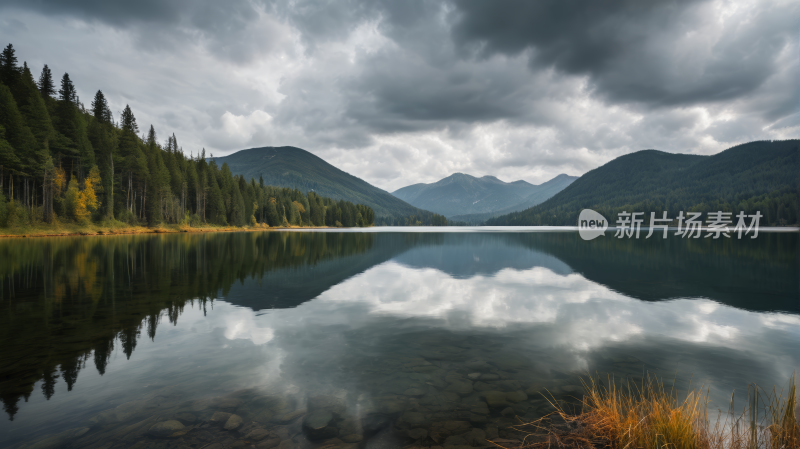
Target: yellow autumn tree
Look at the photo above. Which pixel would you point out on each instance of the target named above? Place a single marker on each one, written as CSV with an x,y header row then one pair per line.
x,y
82,202
59,179
91,186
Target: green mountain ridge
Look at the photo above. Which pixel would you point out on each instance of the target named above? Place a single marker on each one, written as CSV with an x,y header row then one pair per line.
x,y
546,190
759,176
294,167
461,195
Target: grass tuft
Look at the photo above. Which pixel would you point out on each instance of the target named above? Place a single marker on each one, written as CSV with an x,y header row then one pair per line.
x,y
652,416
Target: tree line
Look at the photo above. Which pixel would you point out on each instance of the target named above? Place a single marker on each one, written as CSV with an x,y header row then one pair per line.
x,y
62,161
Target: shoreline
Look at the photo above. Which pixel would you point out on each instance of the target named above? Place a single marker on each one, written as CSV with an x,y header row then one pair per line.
x,y
75,230
91,231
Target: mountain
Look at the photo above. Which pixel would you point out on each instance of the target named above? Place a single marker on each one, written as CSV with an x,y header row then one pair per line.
x,y
757,176
544,191
297,168
461,194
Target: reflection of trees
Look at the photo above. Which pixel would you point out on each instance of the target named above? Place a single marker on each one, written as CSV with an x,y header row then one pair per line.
x,y
753,274
65,300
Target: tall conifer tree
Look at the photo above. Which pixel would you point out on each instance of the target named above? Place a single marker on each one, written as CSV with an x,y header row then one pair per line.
x,y
9,71
46,86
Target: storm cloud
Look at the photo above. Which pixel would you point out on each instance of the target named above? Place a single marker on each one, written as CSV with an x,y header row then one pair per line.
x,y
406,92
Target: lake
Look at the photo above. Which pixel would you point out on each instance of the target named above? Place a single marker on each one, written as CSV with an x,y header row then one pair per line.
x,y
375,338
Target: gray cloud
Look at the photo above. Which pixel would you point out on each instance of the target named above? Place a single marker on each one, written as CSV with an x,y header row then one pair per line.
x,y
657,53
406,92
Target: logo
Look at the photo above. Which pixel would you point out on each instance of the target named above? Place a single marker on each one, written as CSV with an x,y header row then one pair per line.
x,y
591,224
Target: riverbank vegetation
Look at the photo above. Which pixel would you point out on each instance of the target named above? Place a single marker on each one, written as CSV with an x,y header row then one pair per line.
x,y
651,415
65,165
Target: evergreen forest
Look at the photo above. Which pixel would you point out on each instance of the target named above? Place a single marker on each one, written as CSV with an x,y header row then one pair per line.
x,y
63,162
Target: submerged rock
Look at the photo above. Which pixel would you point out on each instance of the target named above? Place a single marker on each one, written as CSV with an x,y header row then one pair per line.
x,y
289,417
441,430
475,437
318,425
517,396
506,385
186,417
417,434
456,440
233,422
414,392
474,418
257,435
495,399
478,366
220,416
413,418
165,429
349,426
459,385
120,413
269,443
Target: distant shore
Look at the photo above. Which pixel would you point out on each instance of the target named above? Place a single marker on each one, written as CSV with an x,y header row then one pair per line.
x,y
74,229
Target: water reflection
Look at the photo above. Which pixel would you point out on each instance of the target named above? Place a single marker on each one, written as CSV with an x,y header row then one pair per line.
x,y
401,331
70,298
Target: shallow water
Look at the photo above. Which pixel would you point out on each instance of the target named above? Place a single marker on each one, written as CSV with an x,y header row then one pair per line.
x,y
365,339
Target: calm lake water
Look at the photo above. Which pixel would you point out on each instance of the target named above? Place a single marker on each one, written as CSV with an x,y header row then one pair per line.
x,y
371,339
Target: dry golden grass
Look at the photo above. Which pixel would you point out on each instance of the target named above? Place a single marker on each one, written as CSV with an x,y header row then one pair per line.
x,y
651,416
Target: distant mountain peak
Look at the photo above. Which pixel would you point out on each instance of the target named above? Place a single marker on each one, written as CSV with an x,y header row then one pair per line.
x,y
461,193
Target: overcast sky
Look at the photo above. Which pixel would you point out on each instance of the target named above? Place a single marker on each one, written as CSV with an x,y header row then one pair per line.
x,y
400,92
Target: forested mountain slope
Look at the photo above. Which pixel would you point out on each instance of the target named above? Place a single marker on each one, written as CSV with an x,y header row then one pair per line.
x,y
299,169
63,162
461,194
756,176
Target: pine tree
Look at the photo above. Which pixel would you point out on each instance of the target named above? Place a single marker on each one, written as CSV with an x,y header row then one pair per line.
x,y
100,109
128,121
46,86
9,72
134,163
65,121
67,92
104,141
